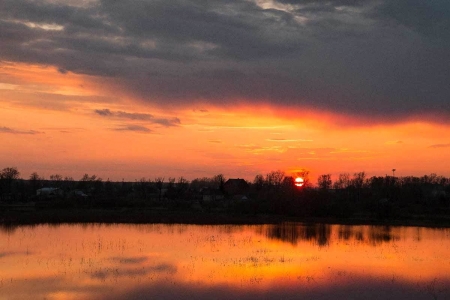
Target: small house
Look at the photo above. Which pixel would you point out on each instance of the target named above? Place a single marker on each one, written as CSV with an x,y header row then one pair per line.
x,y
236,186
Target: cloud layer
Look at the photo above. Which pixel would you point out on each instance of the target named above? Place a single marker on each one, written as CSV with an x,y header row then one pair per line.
x,y
16,131
149,118
381,60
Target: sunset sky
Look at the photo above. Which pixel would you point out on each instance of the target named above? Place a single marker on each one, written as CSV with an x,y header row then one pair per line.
x,y
129,89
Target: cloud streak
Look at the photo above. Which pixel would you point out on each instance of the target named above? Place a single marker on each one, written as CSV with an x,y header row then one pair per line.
x,y
436,146
134,128
138,117
15,131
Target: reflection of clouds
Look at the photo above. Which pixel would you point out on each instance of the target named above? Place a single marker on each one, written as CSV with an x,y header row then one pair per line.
x,y
129,260
343,286
117,272
163,268
47,287
156,261
14,253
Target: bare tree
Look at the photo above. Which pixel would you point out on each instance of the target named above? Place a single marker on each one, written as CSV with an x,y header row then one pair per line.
x,y
7,177
219,181
200,183
35,181
9,173
304,174
34,176
56,177
182,185
170,183
143,186
324,181
359,180
258,182
343,181
275,178
159,183
86,177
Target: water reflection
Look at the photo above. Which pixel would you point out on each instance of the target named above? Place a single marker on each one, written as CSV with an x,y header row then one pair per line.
x,y
320,233
292,233
314,261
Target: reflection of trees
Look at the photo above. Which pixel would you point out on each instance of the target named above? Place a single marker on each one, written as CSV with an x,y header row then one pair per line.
x,y
8,228
381,234
292,233
345,232
374,235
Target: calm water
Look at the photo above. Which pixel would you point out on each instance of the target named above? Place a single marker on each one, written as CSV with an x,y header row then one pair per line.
x,y
290,261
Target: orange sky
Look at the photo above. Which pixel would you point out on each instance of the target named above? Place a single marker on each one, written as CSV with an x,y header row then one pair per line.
x,y
49,125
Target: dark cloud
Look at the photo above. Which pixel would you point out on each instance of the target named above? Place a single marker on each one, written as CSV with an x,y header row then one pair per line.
x,y
62,71
375,60
103,112
15,131
288,140
138,117
132,272
135,128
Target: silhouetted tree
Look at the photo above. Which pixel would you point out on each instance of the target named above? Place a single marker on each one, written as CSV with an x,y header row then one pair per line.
x,y
342,182
305,175
199,183
171,191
182,186
91,184
35,182
34,176
219,181
275,178
358,180
7,177
56,177
9,173
56,180
258,182
143,186
159,183
324,181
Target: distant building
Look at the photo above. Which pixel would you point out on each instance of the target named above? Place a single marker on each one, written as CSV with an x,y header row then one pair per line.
x,y
235,186
209,194
49,192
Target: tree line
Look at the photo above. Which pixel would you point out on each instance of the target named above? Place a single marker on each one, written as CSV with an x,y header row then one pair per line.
x,y
273,193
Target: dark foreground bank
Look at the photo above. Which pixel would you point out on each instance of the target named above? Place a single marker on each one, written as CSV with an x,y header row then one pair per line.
x,y
139,216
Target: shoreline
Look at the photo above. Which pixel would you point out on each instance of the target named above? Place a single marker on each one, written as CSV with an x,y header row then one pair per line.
x,y
153,216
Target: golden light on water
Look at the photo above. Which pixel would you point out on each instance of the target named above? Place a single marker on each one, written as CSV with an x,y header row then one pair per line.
x,y
102,261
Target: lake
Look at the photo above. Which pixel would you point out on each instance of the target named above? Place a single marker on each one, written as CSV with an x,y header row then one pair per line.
x,y
288,261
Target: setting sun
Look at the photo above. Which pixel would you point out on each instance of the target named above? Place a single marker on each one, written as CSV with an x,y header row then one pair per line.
x,y
299,181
